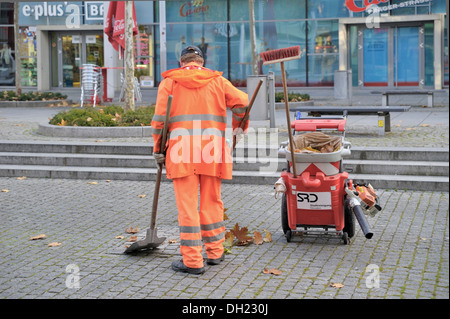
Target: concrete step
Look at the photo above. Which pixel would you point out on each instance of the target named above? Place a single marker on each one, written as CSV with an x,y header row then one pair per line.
x,y
261,165
429,183
68,147
420,168
403,168
242,150
69,159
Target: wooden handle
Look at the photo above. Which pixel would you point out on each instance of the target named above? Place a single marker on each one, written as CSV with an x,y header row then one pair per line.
x,y
288,119
159,167
247,113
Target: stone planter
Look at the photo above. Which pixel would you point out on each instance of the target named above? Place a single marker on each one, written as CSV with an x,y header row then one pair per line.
x,y
33,103
96,132
281,105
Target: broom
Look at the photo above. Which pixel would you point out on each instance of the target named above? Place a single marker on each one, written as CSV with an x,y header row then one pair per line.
x,y
281,56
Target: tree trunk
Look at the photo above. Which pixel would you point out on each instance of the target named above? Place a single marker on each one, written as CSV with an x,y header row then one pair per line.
x,y
16,49
129,57
251,9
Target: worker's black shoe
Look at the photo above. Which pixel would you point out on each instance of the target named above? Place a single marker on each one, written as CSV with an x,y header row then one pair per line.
x,y
179,266
214,262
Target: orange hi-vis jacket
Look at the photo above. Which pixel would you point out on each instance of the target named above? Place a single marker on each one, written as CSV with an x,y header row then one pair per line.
x,y
198,120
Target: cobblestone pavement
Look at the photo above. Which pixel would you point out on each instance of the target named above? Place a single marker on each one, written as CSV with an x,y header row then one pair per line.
x,y
408,257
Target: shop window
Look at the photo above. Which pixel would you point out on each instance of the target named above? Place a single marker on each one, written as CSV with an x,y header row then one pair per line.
x,y
144,55
282,35
28,56
211,37
429,54
195,11
6,13
323,57
438,6
327,9
420,8
268,10
7,56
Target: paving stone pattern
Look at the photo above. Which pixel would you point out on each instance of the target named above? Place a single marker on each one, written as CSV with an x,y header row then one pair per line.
x,y
409,252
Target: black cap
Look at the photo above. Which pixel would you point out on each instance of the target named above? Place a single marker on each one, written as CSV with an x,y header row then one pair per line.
x,y
192,49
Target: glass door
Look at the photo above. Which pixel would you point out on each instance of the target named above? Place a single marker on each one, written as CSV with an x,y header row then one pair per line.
x,y
69,52
71,60
94,49
376,57
406,56
391,56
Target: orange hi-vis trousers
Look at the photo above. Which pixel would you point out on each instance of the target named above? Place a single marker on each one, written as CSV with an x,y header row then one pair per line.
x,y
197,225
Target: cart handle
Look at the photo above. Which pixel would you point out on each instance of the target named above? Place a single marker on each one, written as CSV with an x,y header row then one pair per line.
x,y
315,183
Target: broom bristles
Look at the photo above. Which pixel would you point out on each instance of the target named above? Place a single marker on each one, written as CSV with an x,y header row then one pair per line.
x,y
281,55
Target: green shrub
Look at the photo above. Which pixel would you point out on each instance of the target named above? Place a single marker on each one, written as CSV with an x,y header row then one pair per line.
x,y
31,96
108,116
293,97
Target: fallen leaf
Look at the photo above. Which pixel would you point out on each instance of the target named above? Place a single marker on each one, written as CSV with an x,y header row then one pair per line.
x,y
241,235
272,271
172,241
108,180
132,230
99,141
268,236
119,237
5,190
142,195
63,122
93,183
337,285
229,238
132,238
54,244
425,125
257,238
225,217
21,178
41,236
275,271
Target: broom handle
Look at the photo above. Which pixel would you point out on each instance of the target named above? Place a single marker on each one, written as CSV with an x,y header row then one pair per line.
x,y
288,118
248,110
160,166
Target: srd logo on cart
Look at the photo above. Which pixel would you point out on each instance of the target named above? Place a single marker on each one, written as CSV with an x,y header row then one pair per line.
x,y
316,200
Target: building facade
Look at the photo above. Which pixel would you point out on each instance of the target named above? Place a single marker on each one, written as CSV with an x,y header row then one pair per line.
x,y
393,43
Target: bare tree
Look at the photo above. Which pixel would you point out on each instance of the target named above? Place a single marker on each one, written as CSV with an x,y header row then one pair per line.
x,y
251,9
17,49
129,57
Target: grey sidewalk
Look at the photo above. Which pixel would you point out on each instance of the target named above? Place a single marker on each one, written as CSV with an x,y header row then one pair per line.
x,y
409,250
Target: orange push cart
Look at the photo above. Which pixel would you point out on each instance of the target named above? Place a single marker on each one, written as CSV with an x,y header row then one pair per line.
x,y
321,199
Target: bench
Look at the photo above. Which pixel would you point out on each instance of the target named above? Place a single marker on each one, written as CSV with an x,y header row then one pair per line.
x,y
386,94
383,112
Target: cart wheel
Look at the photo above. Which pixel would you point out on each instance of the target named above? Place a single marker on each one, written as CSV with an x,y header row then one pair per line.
x,y
345,238
349,220
284,214
288,235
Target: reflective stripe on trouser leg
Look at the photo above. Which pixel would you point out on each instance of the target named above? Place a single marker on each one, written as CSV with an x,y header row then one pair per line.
x,y
186,195
211,216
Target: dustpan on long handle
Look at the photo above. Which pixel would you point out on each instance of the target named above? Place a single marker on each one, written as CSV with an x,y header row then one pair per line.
x,y
152,240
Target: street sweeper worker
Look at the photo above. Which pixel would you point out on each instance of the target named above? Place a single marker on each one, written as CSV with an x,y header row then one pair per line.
x,y
197,156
